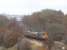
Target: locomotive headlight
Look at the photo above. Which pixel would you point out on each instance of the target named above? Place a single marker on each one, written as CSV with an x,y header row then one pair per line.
x,y
63,48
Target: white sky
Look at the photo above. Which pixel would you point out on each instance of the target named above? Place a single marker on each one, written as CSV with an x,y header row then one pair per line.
x,y
22,7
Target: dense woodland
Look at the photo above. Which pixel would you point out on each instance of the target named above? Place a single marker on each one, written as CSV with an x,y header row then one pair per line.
x,y
47,20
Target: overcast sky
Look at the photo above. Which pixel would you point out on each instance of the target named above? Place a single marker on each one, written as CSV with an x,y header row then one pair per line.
x,y
22,7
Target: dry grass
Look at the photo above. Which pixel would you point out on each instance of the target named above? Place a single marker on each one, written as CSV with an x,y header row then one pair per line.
x,y
13,48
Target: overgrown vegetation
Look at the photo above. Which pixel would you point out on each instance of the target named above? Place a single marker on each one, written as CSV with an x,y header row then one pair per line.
x,y
48,20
